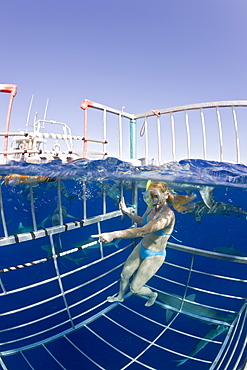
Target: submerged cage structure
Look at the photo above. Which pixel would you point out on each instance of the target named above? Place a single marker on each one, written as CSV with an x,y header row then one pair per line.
x,y
53,291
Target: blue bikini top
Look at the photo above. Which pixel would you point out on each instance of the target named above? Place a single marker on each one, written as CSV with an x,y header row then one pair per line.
x,y
159,232
145,221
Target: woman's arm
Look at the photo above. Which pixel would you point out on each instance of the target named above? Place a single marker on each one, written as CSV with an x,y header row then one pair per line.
x,y
150,227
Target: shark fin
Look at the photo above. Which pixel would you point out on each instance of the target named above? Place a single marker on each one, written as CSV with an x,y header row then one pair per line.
x,y
20,225
47,248
70,216
85,251
76,260
198,218
191,297
169,314
206,194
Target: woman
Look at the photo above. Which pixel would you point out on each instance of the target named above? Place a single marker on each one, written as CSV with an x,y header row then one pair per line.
x,y
157,225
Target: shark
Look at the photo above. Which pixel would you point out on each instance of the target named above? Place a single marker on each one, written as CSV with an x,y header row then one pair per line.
x,y
23,229
210,335
55,217
229,250
204,190
28,228
174,301
63,190
112,192
199,210
58,250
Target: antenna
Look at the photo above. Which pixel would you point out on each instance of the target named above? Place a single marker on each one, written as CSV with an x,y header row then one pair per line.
x,y
46,106
29,110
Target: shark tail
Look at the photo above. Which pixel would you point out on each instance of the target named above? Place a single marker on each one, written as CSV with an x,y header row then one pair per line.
x,y
71,197
116,243
181,362
43,223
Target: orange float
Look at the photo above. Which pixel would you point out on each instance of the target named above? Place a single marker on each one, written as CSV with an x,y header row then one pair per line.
x,y
15,179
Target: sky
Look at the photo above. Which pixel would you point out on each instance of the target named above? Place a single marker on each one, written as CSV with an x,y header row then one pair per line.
x,y
134,53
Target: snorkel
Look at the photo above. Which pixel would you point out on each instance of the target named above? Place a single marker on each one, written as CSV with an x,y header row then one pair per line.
x,y
147,186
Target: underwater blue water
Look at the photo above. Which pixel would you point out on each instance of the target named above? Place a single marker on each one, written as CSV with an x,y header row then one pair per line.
x,y
213,232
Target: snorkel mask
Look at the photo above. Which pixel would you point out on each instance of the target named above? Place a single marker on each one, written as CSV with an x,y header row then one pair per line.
x,y
151,197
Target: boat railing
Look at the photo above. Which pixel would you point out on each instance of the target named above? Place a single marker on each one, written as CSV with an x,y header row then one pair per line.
x,y
40,125
26,143
41,141
12,90
210,131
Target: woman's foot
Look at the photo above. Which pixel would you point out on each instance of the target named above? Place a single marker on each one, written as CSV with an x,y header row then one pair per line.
x,y
151,300
115,299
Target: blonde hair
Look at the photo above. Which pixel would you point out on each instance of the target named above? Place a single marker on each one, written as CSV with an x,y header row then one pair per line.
x,y
176,201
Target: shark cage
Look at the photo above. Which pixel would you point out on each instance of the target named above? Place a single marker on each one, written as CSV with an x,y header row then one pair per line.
x,y
55,278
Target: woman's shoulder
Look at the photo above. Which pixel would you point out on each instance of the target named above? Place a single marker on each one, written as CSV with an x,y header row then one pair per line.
x,y
167,211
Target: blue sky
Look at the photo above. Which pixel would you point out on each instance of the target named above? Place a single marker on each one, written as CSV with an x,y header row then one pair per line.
x,y
137,53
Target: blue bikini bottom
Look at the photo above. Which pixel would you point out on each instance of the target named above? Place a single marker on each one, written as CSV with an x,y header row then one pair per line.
x,y
144,252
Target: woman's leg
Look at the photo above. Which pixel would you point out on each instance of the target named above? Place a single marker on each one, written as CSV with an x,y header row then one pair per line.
x,y
131,265
147,269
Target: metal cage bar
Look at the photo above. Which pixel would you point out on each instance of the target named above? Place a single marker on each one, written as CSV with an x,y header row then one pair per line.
x,y
204,140
187,133
220,133
236,134
159,140
173,137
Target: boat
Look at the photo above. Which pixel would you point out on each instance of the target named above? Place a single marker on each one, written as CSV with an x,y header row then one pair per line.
x,y
55,279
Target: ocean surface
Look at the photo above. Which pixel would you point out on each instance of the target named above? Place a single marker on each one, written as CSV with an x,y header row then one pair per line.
x,y
195,171
225,232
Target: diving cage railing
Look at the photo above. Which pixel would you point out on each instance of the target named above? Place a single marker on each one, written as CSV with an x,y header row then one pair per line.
x,y
49,310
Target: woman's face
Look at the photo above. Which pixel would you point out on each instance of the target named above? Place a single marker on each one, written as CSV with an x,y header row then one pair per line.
x,y
157,197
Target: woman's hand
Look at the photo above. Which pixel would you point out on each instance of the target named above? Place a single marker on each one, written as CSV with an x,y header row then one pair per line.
x,y
123,207
104,238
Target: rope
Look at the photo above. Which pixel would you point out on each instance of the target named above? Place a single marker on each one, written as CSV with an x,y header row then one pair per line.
x,y
28,264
